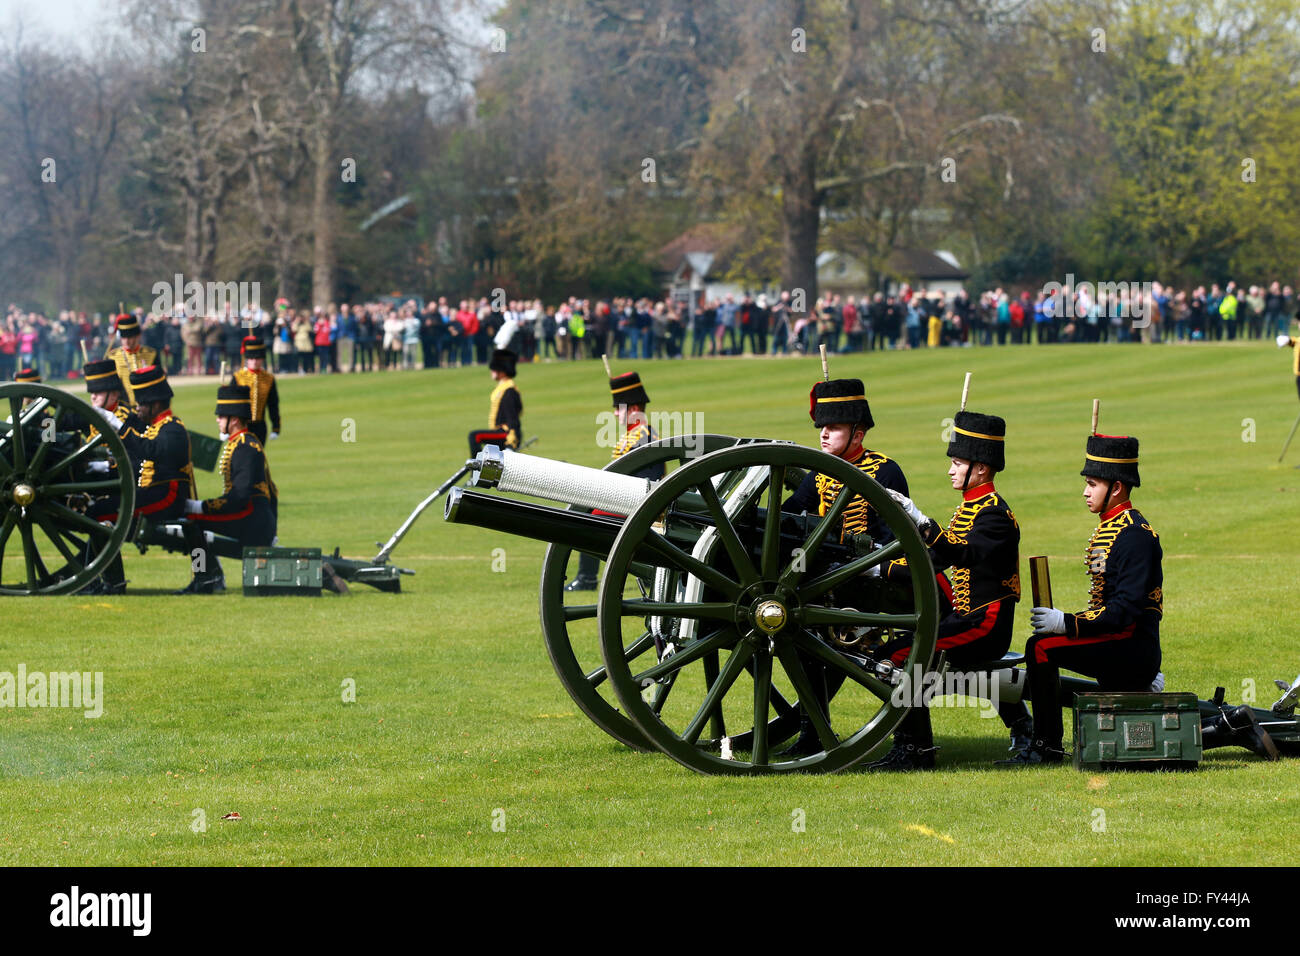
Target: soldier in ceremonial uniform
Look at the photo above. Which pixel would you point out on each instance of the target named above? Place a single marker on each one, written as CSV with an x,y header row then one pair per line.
x,y
158,445
630,401
130,355
28,375
981,546
107,392
264,399
246,508
505,408
1116,639
839,408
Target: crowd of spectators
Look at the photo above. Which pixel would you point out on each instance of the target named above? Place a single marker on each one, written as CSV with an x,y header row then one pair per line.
x,y
395,335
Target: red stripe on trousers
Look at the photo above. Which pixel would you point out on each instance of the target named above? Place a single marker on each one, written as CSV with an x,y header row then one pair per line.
x,y
960,638
160,505
1061,640
248,510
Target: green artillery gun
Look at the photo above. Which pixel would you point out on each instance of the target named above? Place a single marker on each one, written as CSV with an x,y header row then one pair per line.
x,y
50,471
718,618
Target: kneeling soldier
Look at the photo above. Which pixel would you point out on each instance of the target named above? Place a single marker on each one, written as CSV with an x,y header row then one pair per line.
x,y
840,410
158,445
1117,638
505,407
246,509
978,599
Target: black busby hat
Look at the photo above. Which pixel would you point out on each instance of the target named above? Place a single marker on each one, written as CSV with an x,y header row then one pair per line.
x,y
977,437
626,389
253,347
127,325
28,375
503,361
1112,458
149,384
101,376
234,401
841,401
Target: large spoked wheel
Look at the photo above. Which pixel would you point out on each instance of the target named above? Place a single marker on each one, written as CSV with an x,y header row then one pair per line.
x,y
45,485
572,641
765,615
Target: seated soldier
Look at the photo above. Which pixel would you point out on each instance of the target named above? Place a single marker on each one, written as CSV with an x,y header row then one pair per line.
x,y
1117,638
981,544
246,508
158,445
839,408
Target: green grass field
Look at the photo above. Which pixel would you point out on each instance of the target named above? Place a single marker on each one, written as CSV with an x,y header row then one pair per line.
x,y
225,703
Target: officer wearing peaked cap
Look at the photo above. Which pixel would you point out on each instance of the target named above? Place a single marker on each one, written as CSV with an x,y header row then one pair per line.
x,y
264,398
505,408
980,549
1116,639
630,401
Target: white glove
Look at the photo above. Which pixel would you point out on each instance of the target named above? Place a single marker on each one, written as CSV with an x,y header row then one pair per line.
x,y
98,467
1047,620
273,436
193,507
909,506
110,419
872,572
1158,685
1283,341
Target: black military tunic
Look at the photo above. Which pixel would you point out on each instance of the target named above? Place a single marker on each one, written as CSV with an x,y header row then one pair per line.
x,y
817,492
160,452
246,508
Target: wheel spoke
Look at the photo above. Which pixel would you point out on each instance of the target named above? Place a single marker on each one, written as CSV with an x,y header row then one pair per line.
x,y
16,433
34,468
815,614
76,487
718,611
772,525
52,532
762,704
791,575
11,517
719,729
661,694
819,586
579,612
727,533
818,648
29,553
634,650
77,518
75,456
692,565
718,689
688,655
811,701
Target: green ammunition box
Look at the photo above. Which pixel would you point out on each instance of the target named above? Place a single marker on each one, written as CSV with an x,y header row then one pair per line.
x,y
270,571
204,451
1136,732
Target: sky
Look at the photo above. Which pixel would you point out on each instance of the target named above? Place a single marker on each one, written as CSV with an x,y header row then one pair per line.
x,y
79,21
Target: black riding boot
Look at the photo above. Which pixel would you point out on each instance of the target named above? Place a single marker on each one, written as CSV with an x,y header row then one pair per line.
x,y
913,748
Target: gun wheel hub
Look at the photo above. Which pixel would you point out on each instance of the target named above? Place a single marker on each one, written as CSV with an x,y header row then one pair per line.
x,y
24,494
770,616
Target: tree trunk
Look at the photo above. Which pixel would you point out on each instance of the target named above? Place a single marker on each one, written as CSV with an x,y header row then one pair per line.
x,y
801,222
322,218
